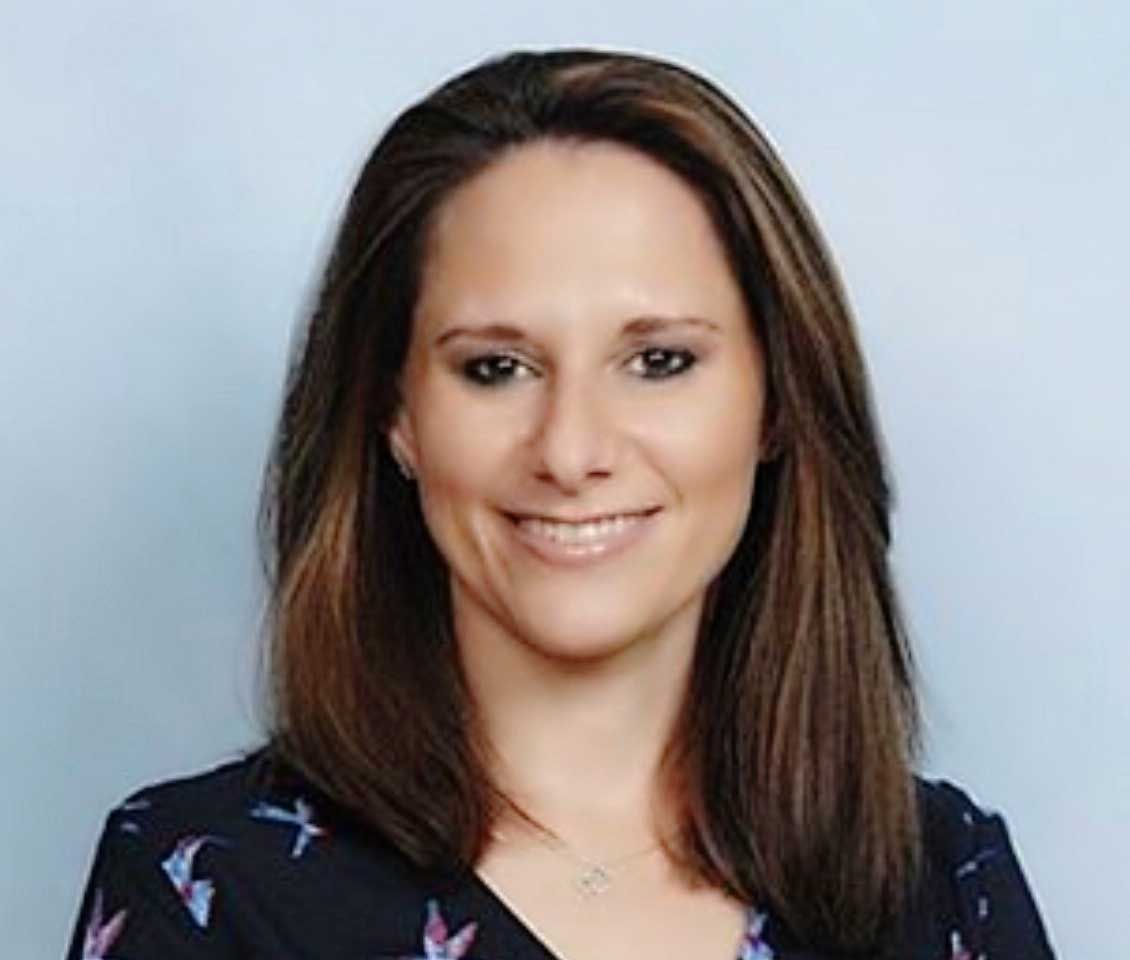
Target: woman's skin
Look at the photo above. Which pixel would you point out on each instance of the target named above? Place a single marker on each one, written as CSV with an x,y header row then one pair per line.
x,y
577,671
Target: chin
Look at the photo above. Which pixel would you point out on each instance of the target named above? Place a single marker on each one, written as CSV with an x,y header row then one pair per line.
x,y
585,642
578,654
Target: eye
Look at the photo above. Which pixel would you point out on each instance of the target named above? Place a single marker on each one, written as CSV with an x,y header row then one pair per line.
x,y
660,363
666,363
491,369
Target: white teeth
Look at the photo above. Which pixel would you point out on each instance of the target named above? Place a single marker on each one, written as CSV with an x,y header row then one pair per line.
x,y
578,532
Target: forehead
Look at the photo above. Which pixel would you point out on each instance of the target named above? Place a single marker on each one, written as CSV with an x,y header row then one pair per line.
x,y
567,226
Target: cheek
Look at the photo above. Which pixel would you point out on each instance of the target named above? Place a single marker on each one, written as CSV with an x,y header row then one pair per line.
x,y
719,489
713,444
717,471
451,438
462,457
721,478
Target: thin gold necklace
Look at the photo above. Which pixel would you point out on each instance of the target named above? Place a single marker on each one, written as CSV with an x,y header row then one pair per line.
x,y
595,876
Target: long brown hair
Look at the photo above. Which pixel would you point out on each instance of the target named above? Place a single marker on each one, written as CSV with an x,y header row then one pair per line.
x,y
793,755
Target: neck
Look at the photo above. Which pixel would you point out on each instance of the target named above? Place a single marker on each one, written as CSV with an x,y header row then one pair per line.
x,y
578,745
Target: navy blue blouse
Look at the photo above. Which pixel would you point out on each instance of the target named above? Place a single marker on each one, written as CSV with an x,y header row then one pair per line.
x,y
226,864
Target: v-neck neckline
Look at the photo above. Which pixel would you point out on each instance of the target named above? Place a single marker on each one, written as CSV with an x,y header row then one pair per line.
x,y
523,929
517,922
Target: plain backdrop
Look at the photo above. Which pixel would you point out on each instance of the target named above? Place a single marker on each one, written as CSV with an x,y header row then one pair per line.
x,y
170,176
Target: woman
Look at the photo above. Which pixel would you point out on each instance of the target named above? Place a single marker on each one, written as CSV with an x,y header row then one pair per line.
x,y
584,642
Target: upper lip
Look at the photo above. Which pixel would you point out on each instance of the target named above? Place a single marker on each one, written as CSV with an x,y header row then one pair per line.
x,y
581,519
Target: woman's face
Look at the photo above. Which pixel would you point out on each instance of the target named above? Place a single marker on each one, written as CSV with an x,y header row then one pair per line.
x,y
553,372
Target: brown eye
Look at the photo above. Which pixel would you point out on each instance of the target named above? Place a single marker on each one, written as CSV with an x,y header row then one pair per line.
x,y
661,363
495,369
491,369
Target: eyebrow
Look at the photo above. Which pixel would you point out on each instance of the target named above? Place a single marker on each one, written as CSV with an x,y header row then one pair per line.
x,y
635,327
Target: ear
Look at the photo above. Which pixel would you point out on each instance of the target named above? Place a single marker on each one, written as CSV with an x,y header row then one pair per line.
x,y
402,439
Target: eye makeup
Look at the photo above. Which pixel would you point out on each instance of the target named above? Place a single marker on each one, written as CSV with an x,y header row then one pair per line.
x,y
674,361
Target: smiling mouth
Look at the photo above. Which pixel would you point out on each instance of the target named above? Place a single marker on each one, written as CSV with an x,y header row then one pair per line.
x,y
517,518
580,544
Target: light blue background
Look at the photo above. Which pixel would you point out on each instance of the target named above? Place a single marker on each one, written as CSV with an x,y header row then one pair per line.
x,y
171,174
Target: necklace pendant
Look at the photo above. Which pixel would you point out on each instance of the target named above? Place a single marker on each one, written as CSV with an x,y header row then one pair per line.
x,y
594,880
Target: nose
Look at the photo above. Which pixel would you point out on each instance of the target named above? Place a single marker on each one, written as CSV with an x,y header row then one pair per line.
x,y
575,434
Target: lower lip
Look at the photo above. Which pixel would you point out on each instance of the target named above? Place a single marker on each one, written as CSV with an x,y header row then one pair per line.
x,y
584,554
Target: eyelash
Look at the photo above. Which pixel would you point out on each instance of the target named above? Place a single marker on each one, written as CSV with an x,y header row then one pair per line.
x,y
689,358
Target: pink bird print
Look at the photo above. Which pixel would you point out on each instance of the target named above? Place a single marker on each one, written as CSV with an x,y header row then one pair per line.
x,y
196,895
301,818
753,947
437,944
101,936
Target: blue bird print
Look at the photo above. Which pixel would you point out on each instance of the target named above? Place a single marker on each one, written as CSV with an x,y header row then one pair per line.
x,y
753,947
301,817
101,936
196,895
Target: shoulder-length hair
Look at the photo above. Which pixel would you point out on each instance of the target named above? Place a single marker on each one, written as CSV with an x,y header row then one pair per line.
x,y
793,756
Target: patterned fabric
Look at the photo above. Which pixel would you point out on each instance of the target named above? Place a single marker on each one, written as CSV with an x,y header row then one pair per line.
x,y
99,936
218,866
753,947
437,944
299,818
196,895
